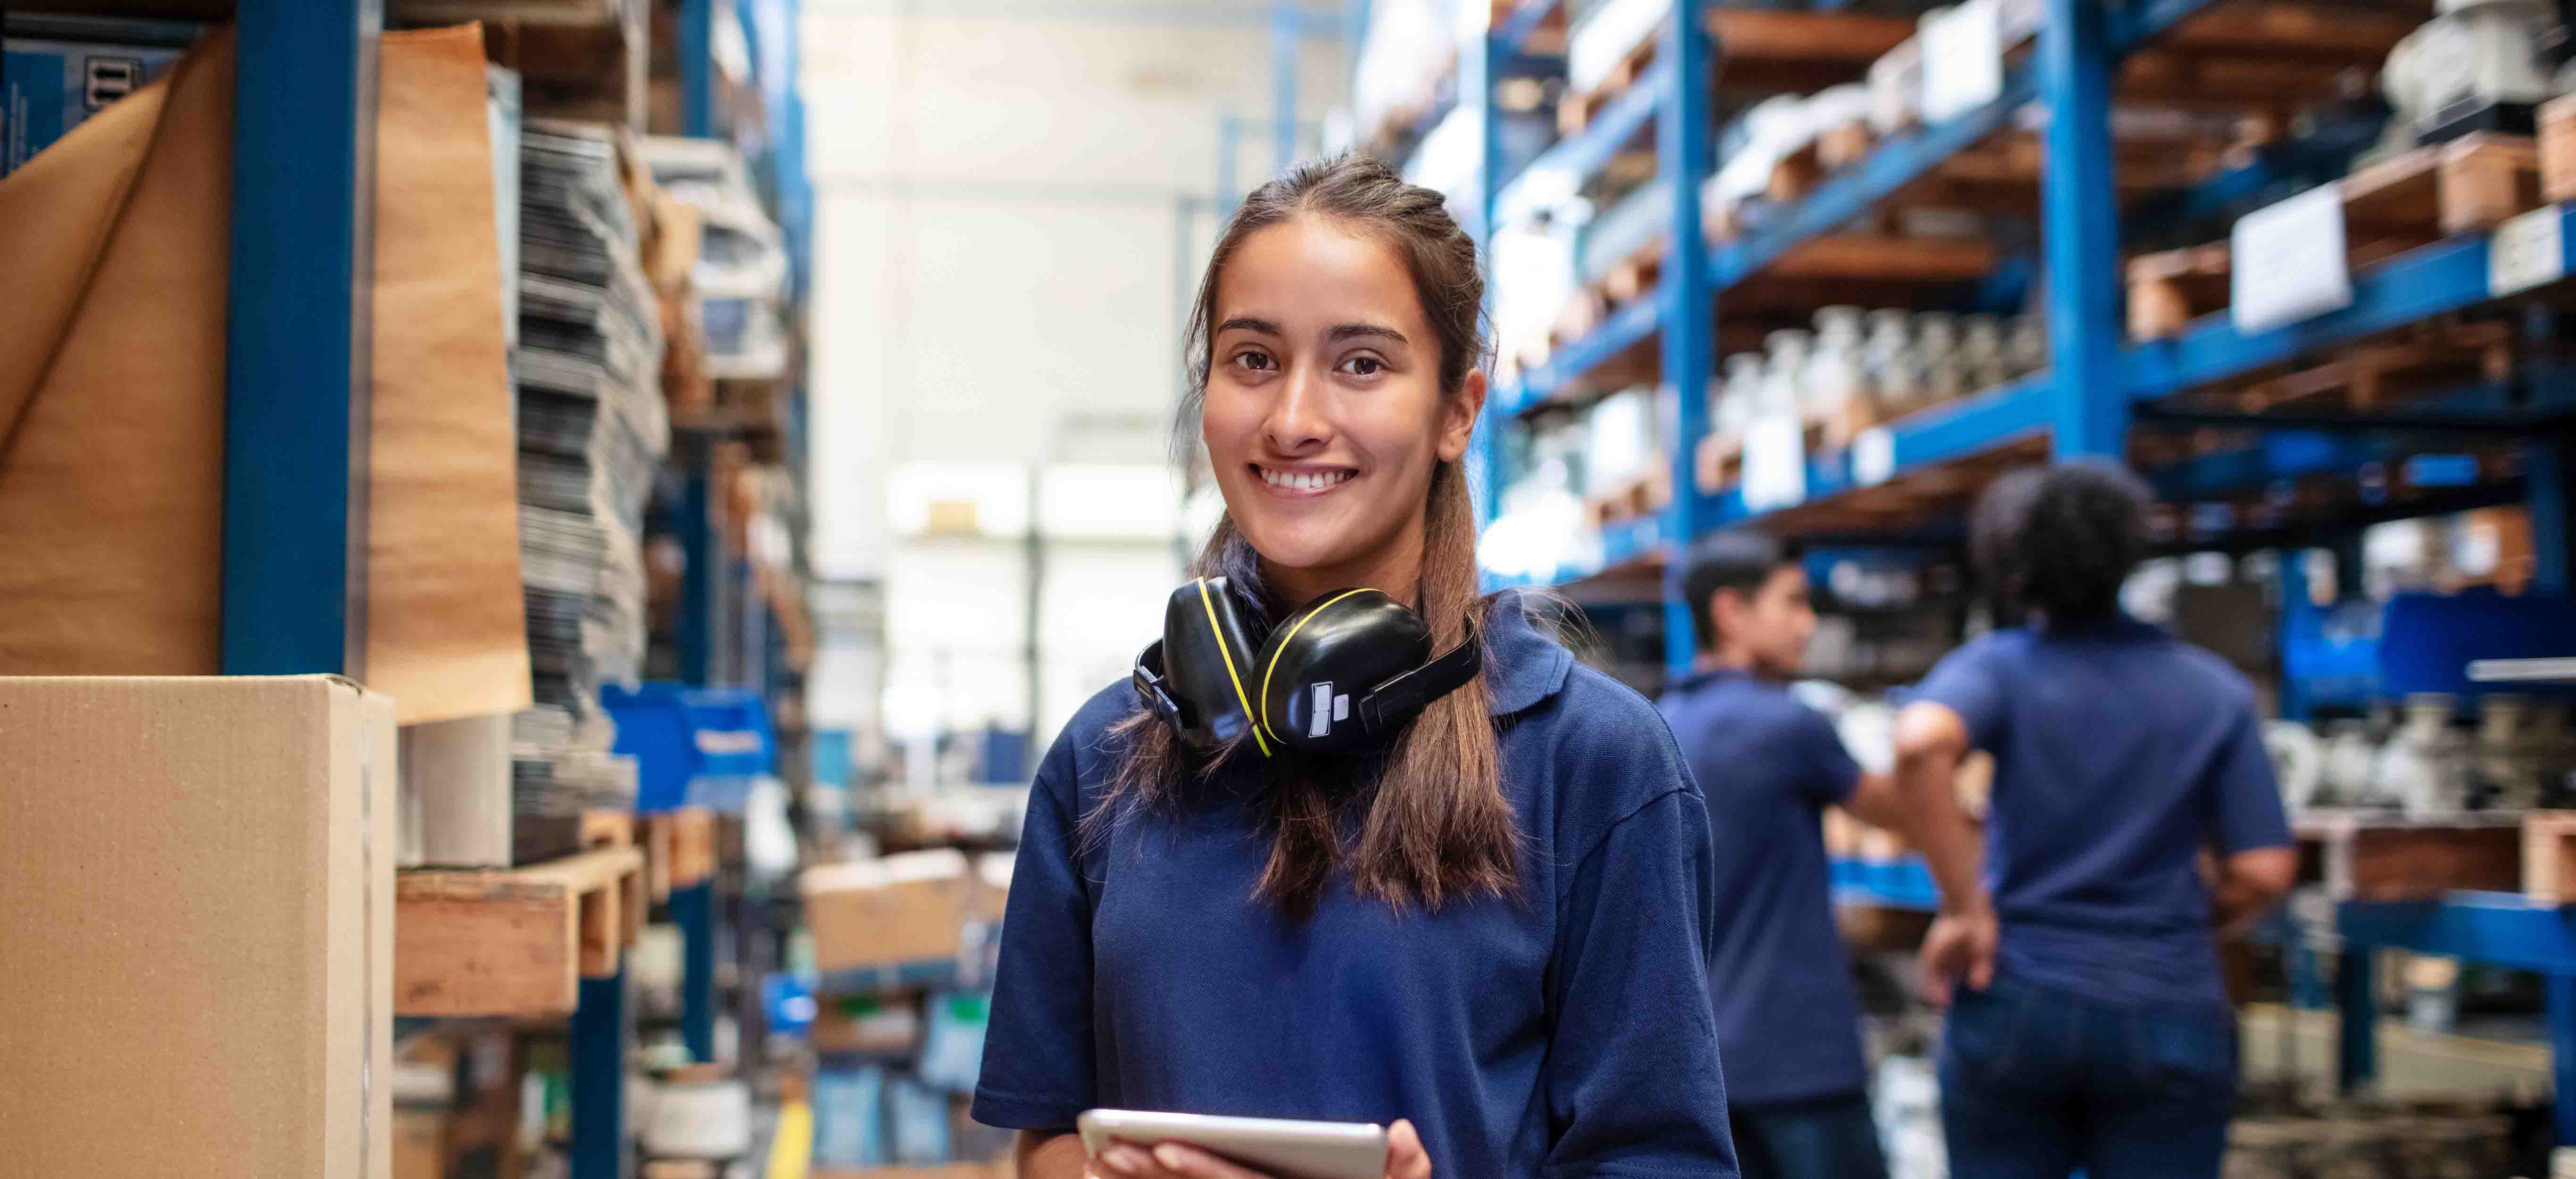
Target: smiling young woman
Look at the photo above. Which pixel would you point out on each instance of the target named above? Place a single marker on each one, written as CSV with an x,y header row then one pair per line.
x,y
1492,929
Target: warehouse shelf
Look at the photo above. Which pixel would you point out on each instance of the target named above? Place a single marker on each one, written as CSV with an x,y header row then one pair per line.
x,y
513,941
1514,34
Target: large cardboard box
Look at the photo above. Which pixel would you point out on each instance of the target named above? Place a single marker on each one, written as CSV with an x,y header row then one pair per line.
x,y
891,912
196,917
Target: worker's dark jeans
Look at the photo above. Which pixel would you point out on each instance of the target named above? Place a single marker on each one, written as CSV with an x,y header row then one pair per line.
x,y
2037,1083
1815,1138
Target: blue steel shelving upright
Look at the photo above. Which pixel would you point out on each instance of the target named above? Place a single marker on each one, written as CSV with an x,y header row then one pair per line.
x,y
2098,385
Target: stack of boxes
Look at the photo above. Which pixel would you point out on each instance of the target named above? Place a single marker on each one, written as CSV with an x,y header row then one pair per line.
x,y
592,430
902,945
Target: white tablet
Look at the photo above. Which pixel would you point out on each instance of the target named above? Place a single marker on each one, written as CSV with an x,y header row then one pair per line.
x,y
1286,1149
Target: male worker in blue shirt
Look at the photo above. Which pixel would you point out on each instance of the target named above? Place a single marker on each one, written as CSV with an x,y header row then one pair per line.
x,y
1788,1017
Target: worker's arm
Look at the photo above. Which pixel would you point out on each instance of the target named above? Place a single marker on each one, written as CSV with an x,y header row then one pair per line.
x,y
1920,800
1049,1154
2249,883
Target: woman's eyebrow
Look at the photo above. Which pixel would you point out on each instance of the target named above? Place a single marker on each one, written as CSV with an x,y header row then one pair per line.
x,y
1352,331
1251,324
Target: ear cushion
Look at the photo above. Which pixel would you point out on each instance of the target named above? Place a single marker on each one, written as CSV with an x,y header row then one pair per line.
x,y
1208,664
1326,657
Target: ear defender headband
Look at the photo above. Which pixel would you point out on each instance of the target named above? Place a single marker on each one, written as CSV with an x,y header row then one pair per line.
x,y
1347,670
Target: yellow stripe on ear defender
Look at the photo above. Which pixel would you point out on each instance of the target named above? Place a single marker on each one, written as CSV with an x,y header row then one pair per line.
x,y
1261,720
1225,651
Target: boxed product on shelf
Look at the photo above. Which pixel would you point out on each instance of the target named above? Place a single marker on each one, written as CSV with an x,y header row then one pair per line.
x,y
865,1025
202,910
56,71
903,909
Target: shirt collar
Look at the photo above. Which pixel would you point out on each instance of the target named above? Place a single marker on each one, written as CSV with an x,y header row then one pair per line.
x,y
1707,676
1522,666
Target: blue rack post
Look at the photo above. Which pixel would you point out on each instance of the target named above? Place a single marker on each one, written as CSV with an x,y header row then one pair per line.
x,y
693,909
1684,140
697,68
597,1050
2080,210
297,368
1476,85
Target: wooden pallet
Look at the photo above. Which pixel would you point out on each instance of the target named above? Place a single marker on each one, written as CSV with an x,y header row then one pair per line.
x,y
2377,856
2398,204
1760,52
679,849
515,941
1638,495
2549,857
2558,149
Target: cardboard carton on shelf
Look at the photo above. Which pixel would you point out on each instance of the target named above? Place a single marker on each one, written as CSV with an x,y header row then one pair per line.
x,y
200,898
892,912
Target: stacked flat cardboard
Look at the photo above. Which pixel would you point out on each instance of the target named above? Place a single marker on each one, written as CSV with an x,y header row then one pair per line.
x,y
197,916
592,430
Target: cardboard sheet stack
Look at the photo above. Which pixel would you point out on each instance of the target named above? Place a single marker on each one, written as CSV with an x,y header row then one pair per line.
x,y
592,430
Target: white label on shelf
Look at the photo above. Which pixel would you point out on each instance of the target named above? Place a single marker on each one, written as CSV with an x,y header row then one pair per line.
x,y
2526,252
1775,462
1963,59
2289,263
1873,456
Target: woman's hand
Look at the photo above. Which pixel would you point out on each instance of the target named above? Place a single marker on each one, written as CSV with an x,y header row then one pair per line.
x,y
1960,947
1405,1159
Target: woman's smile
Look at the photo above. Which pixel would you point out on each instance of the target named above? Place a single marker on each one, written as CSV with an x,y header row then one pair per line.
x,y
1303,480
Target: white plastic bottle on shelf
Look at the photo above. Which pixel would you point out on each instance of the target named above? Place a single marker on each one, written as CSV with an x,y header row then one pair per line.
x,y
1981,351
1836,374
1784,379
2026,345
1740,397
1890,366
1937,358
2426,765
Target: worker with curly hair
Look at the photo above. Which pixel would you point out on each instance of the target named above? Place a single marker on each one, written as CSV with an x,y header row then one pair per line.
x,y
2093,1033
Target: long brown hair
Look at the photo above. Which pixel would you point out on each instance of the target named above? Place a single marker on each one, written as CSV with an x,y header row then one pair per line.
x,y
1432,824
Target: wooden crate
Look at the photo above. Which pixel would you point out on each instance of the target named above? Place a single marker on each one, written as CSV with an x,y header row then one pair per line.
x,y
2377,856
2558,149
2549,857
2398,204
515,941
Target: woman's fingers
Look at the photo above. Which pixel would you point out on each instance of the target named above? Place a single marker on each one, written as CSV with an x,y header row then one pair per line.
x,y
1405,1158
1192,1163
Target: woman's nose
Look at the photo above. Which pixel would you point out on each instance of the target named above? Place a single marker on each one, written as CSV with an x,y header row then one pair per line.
x,y
1296,423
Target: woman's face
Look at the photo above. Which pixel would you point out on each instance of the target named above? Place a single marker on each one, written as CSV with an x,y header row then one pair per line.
x,y
1324,418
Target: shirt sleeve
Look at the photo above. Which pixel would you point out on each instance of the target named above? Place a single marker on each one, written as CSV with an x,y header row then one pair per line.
x,y
1967,682
2244,795
1038,1062
1826,771
1633,1084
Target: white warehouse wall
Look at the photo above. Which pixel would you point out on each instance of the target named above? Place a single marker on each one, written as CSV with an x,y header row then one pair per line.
x,y
1012,198
1009,199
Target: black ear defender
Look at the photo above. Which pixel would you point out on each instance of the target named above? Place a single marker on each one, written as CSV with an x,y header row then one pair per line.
x,y
1343,672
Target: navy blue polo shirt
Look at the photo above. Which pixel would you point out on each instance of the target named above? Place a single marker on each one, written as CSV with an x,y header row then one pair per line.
x,y
1563,1033
2120,751
1788,1015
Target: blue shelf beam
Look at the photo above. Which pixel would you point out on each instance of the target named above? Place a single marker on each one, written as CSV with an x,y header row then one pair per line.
x,y
1898,162
298,326
2448,275
1565,167
1684,141
1970,425
1514,33
2079,204
2130,26
1631,323
693,910
597,1051
1897,884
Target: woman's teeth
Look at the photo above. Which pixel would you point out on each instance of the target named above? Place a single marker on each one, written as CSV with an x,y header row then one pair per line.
x,y
1303,480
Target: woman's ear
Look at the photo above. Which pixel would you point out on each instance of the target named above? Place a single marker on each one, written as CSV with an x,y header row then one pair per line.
x,y
1458,416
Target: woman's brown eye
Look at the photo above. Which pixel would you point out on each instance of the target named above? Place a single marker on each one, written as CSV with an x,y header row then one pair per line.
x,y
1253,360
1364,366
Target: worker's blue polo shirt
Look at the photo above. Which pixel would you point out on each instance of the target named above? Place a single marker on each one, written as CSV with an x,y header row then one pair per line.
x,y
1565,1032
2120,752
1788,1016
